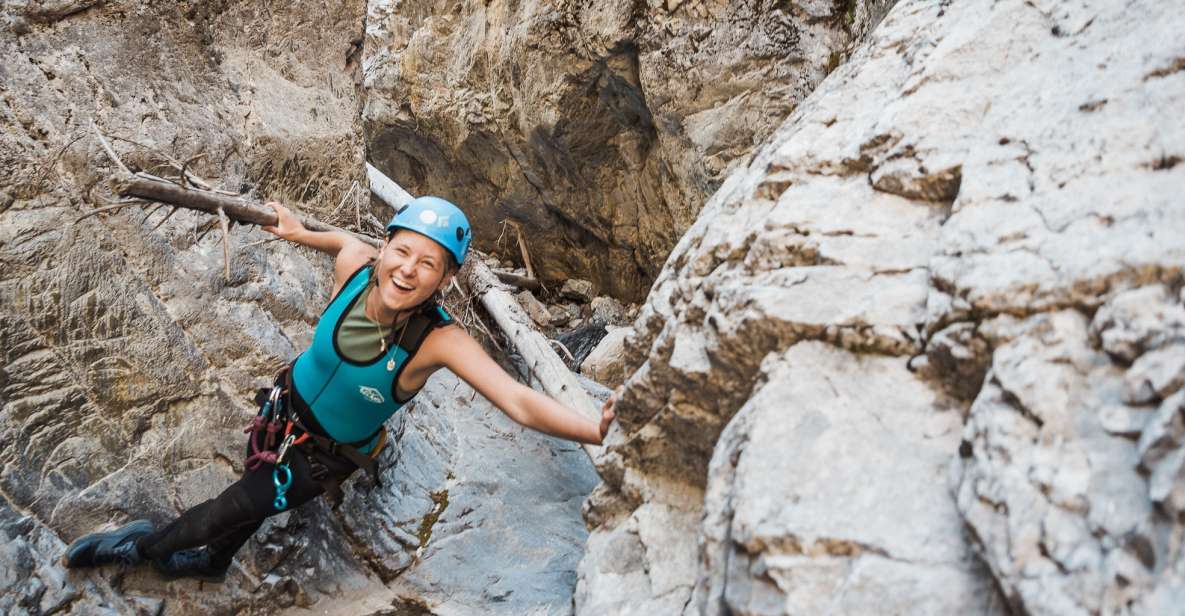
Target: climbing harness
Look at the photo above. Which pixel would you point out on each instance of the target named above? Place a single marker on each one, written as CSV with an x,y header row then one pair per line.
x,y
300,429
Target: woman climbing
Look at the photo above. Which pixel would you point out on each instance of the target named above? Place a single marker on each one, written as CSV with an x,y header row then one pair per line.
x,y
381,337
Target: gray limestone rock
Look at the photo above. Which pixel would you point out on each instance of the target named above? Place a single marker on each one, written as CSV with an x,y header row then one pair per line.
x,y
1057,504
478,515
1003,231
805,514
607,311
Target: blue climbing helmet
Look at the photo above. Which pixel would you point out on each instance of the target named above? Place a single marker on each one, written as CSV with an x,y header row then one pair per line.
x,y
439,220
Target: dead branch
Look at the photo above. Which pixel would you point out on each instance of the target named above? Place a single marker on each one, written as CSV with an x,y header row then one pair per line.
x,y
107,208
165,219
236,209
522,282
107,147
385,189
560,346
542,361
224,223
353,187
522,247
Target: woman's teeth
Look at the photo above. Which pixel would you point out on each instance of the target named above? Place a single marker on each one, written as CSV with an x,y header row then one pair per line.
x,y
402,286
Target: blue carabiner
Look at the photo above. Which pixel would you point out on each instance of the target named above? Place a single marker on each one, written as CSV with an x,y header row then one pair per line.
x,y
282,486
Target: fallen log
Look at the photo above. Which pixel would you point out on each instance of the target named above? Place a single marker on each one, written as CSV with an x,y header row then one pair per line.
x,y
386,189
236,208
555,378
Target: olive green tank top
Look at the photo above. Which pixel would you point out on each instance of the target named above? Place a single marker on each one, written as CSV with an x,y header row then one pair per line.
x,y
359,339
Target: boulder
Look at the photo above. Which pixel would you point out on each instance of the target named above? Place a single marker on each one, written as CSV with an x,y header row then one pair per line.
x,y
577,290
607,311
563,314
604,363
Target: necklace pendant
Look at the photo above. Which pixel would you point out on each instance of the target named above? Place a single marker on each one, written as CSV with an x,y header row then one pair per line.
x,y
391,364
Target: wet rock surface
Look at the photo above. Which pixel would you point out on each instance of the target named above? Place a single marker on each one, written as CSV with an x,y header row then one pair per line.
x,y
602,127
971,209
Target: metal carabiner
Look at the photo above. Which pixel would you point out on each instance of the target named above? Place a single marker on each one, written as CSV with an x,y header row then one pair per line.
x,y
272,400
288,440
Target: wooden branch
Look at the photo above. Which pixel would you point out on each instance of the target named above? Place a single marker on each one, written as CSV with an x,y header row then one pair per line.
x,y
108,208
224,223
165,219
237,209
108,149
522,282
522,247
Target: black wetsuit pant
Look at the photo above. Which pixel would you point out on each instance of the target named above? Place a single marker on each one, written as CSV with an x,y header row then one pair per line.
x,y
226,522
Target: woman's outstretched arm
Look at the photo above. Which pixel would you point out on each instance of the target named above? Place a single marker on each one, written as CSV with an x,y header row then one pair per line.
x,y
349,252
456,350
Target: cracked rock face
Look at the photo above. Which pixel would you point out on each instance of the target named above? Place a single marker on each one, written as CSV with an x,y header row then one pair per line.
x,y
1074,494
969,228
601,126
127,360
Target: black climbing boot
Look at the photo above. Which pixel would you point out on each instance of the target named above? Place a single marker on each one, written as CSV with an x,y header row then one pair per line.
x,y
117,546
194,563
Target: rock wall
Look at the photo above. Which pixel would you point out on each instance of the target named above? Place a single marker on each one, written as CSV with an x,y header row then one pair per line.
x,y
127,360
602,127
922,354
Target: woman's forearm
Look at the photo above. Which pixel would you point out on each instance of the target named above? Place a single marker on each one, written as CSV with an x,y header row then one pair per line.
x,y
289,227
541,413
330,242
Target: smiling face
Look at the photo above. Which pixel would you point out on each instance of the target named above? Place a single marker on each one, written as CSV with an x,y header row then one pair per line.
x,y
410,269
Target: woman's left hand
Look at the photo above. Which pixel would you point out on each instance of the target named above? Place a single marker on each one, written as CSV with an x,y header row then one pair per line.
x,y
607,414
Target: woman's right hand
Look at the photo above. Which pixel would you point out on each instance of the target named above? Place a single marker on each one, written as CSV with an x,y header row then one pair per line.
x,y
287,225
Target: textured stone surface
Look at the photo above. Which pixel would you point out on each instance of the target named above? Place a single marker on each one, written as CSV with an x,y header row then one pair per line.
x,y
577,290
979,181
601,126
1055,495
477,514
804,514
126,356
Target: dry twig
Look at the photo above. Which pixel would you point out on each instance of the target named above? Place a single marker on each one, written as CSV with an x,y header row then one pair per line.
x,y
224,223
163,220
560,346
119,205
107,147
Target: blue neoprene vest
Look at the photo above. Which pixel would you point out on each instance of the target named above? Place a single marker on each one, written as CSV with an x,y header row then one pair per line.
x,y
351,400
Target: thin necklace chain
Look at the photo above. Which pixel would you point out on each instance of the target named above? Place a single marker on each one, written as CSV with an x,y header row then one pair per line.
x,y
379,328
